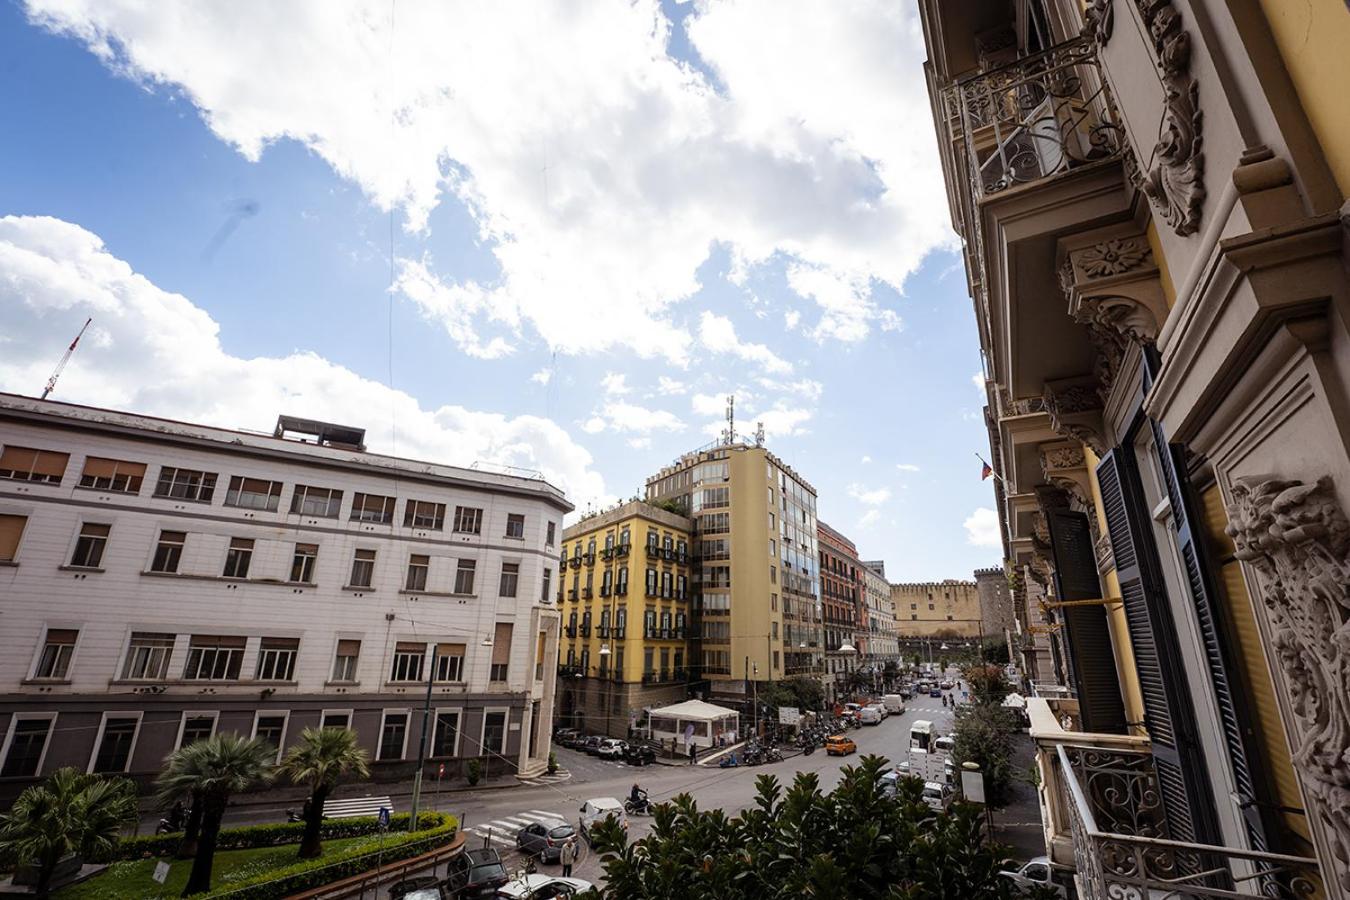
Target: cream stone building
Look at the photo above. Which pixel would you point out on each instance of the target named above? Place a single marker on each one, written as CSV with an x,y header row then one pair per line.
x,y
163,581
1152,200
942,609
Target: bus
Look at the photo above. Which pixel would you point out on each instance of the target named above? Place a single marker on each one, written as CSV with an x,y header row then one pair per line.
x,y
921,736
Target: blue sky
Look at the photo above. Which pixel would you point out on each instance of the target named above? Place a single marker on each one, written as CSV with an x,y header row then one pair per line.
x,y
601,222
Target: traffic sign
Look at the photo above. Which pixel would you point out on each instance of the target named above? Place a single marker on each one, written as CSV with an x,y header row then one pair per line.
x,y
384,818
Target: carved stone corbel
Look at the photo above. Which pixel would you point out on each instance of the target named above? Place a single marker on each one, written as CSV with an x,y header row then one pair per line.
x,y
1064,465
1075,410
1297,538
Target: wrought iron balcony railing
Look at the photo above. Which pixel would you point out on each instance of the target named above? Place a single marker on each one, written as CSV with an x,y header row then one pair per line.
x,y
1121,848
1034,118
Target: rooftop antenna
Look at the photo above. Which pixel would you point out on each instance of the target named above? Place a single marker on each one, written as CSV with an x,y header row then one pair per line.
x,y
759,434
729,435
60,367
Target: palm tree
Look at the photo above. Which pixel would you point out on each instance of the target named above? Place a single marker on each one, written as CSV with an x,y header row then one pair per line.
x,y
322,757
70,812
211,770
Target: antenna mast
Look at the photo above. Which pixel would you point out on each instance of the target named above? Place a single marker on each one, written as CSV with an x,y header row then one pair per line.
x,y
729,435
60,367
759,434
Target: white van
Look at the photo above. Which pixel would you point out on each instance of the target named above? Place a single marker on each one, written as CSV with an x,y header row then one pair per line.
x,y
870,715
945,744
894,703
921,736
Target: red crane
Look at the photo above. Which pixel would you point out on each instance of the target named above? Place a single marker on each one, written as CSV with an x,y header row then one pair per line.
x,y
51,382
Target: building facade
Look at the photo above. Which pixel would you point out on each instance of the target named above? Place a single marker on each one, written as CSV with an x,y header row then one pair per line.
x,y
997,619
625,601
941,609
162,581
842,608
1152,198
878,644
757,587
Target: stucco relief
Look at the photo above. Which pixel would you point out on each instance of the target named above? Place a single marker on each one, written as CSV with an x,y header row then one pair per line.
x,y
1114,257
1075,410
1298,540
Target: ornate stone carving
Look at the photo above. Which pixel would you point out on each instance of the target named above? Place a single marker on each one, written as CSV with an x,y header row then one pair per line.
x,y
1174,181
1075,407
1114,256
1064,465
1298,540
1099,21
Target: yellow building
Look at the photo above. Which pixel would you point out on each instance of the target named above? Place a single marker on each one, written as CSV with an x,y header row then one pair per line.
x,y
758,579
941,609
624,595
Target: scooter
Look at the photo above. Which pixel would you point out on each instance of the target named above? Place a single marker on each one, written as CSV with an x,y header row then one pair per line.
x,y
293,816
728,762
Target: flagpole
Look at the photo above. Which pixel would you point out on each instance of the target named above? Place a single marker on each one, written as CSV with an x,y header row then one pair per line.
x,y
992,470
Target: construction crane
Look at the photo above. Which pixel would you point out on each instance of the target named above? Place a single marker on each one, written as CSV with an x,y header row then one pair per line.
x,y
51,382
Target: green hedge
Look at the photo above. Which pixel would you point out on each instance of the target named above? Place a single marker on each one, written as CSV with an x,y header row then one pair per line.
x,y
250,836
438,829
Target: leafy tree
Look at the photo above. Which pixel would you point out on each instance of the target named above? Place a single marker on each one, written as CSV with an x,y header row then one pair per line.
x,y
321,758
987,683
855,841
983,734
212,770
995,651
798,691
70,812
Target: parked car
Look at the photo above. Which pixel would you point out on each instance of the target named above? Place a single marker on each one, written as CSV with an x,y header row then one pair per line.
x,y
543,887
592,744
476,873
1035,873
597,810
947,685
563,735
869,715
611,748
423,887
840,745
945,744
639,755
935,692
937,795
544,841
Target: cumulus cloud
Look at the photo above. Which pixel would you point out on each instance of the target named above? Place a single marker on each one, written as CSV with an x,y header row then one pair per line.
x,y
595,166
907,467
622,416
667,386
718,335
614,383
982,528
978,380
865,460
155,352
869,496
543,376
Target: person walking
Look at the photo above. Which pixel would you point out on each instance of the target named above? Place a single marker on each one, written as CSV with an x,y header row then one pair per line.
x,y
567,856
693,752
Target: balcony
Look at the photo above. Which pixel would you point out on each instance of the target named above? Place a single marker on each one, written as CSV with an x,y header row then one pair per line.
x,y
576,562
585,631
589,558
602,631
607,553
1103,816
572,594
622,549
570,631
585,593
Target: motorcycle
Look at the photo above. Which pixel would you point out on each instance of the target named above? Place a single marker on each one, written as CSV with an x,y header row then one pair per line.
x,y
293,816
642,807
772,755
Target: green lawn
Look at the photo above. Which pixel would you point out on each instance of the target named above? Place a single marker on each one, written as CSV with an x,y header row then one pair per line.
x,y
132,878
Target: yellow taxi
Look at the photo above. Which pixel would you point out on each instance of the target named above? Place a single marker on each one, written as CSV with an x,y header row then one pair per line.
x,y
840,745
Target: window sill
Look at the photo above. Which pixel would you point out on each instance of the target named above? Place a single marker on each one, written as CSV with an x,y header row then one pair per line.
x,y
406,592
79,569
345,684
358,588
99,490
441,685
180,499
8,564
44,682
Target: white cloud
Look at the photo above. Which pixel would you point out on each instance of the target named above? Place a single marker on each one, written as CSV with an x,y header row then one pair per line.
x,y
595,166
155,352
717,334
982,528
869,496
907,467
865,460
847,307
791,318
806,389
622,416
667,386
543,376
614,384
978,380
640,443
869,518
708,404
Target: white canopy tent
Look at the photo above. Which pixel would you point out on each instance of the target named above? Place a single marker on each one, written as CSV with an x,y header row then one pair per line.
x,y
694,721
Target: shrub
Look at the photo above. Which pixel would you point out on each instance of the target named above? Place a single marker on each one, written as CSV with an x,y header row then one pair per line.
x,y
552,762
475,771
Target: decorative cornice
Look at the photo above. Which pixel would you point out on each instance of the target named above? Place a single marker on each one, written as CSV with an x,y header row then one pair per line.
x,y
1297,538
1075,410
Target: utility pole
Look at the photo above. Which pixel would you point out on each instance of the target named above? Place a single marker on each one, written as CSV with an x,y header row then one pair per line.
x,y
422,745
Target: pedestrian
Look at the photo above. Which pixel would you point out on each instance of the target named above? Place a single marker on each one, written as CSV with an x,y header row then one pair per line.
x,y
693,752
567,856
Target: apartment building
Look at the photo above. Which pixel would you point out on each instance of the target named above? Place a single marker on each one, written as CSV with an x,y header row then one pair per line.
x,y
631,564
162,581
877,643
757,586
1152,198
842,611
937,609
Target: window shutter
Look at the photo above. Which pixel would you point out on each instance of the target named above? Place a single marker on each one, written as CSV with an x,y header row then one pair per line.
x,y
447,651
348,648
1086,633
11,530
501,644
54,464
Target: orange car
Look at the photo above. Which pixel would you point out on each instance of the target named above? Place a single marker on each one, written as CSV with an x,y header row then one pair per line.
x,y
840,745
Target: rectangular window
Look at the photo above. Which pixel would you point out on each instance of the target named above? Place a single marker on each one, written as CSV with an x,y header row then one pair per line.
x,y
449,662
424,514
302,564
114,745
550,533
651,582
112,475
621,587
276,659
548,585
393,735
468,519
148,657
272,729
214,658
372,508
464,576
408,659
418,566
510,578
445,741
501,651
341,718
185,484
515,525
11,532
196,728
666,584
27,741
90,545
715,523
344,661
316,501
168,552
494,731
57,649
363,568
237,557
648,660
27,464
253,493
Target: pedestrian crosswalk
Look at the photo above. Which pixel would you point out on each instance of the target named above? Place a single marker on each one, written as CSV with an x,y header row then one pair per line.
x,y
503,831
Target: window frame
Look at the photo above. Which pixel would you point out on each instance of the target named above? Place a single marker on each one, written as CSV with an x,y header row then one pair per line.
x,y
332,669
13,560
201,486
273,495
394,660
349,712
472,569
424,567
14,720
139,716
406,712
217,648
515,580
357,560
360,506
482,730
285,716
262,650
173,560
212,714
515,519
128,653
436,726
412,511
103,548
307,569
247,555
28,475
64,678
461,513
112,487
301,495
